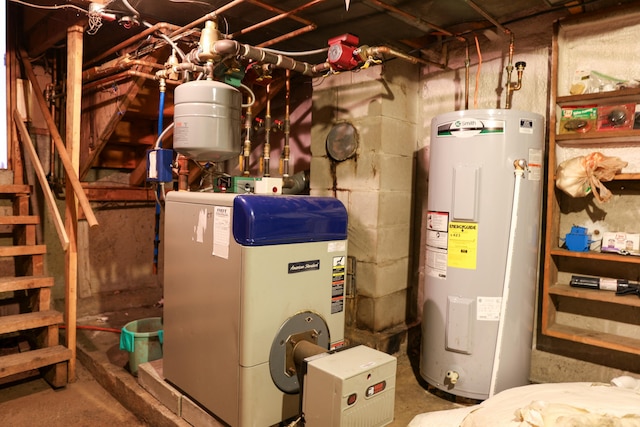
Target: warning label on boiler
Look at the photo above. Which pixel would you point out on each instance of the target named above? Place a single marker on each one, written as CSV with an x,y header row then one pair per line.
x,y
463,245
338,273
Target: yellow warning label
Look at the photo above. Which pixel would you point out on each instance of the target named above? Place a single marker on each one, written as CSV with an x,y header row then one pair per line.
x,y
463,245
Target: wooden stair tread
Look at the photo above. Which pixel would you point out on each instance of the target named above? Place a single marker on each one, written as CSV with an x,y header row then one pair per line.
x,y
12,283
24,321
19,219
20,362
14,189
23,250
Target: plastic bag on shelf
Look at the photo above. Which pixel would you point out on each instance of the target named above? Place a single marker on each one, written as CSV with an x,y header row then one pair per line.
x,y
583,175
591,81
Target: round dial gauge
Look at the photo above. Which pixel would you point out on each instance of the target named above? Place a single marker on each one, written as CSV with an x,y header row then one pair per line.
x,y
342,141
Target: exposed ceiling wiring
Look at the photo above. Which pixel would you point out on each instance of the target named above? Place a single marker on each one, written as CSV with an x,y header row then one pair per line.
x,y
94,16
61,6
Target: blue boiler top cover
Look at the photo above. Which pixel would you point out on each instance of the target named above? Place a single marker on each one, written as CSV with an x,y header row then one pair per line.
x,y
274,220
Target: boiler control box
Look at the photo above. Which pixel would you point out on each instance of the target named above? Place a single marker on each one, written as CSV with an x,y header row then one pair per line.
x,y
354,386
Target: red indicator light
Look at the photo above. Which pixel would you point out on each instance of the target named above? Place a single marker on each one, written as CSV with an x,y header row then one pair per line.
x,y
375,389
352,399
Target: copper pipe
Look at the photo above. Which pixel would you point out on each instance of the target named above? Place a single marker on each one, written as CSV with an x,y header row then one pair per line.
x,y
115,66
510,70
183,173
266,156
288,36
287,125
377,50
131,40
281,15
413,20
97,84
246,152
467,63
209,16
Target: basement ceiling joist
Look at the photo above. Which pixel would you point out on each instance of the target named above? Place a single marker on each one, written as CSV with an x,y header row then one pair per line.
x,y
297,25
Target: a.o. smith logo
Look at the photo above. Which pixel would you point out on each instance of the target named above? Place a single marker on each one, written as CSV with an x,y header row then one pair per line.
x,y
298,267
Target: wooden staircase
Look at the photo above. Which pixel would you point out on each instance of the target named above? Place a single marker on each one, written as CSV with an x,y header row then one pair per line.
x,y
29,328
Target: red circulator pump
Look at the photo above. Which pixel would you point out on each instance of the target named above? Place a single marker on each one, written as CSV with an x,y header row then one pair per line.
x,y
341,52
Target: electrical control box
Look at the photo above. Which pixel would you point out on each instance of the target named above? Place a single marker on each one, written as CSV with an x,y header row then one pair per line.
x,y
159,165
248,185
351,387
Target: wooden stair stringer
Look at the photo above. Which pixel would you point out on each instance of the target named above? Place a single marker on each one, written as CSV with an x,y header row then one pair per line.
x,y
36,323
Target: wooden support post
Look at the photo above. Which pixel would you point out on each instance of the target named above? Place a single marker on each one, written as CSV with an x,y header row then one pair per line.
x,y
73,115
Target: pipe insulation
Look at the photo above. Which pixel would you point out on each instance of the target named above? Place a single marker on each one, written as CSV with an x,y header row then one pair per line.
x,y
232,47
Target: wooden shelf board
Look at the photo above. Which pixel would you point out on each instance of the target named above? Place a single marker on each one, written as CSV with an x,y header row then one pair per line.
x,y
598,339
615,97
621,137
628,259
627,177
594,295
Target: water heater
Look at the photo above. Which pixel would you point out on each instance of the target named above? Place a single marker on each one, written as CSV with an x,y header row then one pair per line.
x,y
482,244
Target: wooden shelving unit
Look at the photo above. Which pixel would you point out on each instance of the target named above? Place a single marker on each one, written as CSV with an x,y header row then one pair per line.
x,y
597,319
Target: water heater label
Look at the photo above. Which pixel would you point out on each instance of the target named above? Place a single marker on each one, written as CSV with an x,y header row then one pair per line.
x,y
468,127
463,245
526,126
488,308
535,164
437,240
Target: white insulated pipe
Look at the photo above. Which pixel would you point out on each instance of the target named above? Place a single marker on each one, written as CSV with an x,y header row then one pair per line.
x,y
520,166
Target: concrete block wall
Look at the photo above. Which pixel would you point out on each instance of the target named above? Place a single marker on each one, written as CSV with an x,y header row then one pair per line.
x,y
376,185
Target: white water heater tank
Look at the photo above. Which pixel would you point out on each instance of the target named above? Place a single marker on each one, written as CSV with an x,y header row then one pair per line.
x,y
207,120
482,247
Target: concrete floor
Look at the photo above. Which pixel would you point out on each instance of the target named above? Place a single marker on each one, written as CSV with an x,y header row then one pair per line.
x,y
106,394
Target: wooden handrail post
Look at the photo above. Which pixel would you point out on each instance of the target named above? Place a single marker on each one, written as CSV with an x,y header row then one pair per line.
x,y
27,143
57,139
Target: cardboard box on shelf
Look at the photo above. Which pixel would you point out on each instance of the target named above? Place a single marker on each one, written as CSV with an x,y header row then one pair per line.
x,y
616,117
578,119
620,242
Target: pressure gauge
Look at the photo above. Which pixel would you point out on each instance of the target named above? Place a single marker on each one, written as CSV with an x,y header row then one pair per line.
x,y
342,141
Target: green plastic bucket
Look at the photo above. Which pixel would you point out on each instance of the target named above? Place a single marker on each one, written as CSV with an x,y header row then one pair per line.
x,y
143,340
